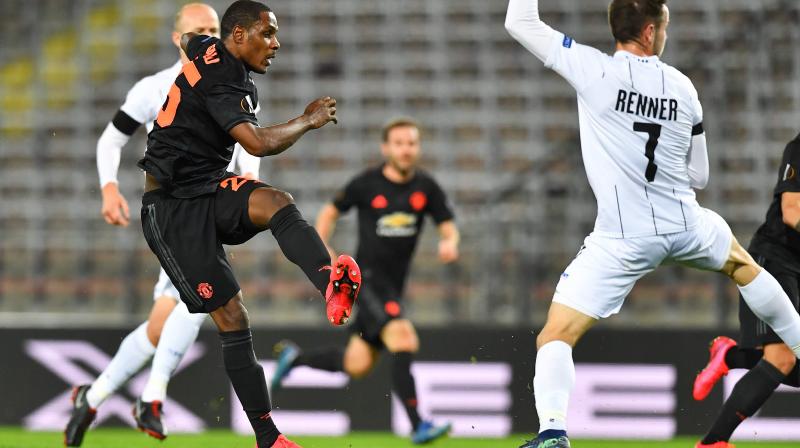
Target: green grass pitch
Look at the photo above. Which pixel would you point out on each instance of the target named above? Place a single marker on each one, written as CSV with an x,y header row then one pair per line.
x,y
126,438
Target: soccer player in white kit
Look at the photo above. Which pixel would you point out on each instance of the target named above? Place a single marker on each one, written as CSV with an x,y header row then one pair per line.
x,y
644,150
170,329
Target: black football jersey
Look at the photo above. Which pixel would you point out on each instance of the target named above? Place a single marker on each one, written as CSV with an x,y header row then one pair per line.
x,y
190,146
390,219
774,238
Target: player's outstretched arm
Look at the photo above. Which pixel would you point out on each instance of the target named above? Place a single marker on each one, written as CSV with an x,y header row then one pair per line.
x,y
275,139
524,25
449,237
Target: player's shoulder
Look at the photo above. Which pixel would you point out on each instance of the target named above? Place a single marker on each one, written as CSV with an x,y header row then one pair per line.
x,y
425,178
677,75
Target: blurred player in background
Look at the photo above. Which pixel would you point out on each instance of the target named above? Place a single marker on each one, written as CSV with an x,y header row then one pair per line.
x,y
170,328
776,246
192,205
644,151
392,201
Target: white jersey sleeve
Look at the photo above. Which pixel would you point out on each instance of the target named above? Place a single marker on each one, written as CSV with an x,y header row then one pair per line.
x,y
580,65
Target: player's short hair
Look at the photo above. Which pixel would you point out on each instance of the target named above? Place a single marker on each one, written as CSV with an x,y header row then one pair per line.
x,y
397,122
628,17
243,13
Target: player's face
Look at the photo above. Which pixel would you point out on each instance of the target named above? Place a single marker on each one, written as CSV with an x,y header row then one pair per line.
x,y
401,149
261,43
660,38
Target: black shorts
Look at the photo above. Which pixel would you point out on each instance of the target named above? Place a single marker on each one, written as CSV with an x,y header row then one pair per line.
x,y
187,237
754,332
378,303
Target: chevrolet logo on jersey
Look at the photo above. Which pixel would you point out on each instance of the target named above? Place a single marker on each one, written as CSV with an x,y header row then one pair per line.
x,y
397,224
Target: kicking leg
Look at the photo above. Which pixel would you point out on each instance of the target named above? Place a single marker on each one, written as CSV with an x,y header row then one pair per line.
x,y
274,209
764,295
751,392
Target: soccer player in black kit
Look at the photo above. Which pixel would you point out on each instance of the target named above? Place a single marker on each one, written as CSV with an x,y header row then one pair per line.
x,y
392,201
776,247
192,206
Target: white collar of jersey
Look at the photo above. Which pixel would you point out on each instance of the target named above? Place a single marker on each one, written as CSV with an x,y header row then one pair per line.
x,y
630,56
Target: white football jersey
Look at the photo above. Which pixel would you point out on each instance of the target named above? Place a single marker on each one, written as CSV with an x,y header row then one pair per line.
x,y
637,117
145,99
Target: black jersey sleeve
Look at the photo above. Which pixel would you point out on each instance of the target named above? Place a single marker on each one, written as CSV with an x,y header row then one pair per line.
x,y
347,197
789,176
438,206
230,105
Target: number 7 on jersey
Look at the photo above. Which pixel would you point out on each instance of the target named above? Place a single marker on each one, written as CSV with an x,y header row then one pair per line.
x,y
653,130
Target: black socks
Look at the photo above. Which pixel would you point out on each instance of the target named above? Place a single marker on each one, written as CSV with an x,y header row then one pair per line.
x,y
403,385
247,378
749,394
302,245
743,358
330,359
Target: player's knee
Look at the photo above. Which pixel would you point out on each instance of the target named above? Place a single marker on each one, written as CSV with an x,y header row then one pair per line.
x,y
232,316
279,198
783,359
551,333
357,367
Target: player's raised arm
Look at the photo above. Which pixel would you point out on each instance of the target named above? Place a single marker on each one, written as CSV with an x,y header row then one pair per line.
x,y
275,139
524,25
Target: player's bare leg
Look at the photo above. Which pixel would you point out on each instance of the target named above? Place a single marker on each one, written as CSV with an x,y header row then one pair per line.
x,y
162,307
764,295
359,357
555,372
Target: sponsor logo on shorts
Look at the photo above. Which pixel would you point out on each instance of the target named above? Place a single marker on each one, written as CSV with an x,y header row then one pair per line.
x,y
205,290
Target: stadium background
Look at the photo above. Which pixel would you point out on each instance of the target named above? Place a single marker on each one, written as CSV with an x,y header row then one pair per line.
x,y
500,133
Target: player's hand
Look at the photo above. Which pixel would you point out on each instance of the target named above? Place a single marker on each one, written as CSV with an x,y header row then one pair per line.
x,y
448,251
321,111
115,208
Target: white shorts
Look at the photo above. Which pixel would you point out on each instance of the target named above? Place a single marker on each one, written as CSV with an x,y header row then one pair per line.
x,y
164,287
605,269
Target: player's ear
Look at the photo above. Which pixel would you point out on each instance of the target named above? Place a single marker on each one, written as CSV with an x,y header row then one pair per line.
x,y
239,34
176,39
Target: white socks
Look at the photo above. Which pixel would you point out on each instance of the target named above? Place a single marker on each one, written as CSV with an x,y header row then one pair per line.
x,y
552,384
179,332
132,354
770,303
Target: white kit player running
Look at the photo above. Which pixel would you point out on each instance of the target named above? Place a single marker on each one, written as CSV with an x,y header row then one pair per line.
x,y
170,329
643,146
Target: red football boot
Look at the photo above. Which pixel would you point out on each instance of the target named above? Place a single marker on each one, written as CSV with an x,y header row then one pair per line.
x,y
715,445
714,370
345,282
283,442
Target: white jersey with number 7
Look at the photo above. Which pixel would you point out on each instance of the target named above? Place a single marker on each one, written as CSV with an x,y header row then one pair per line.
x,y
637,119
